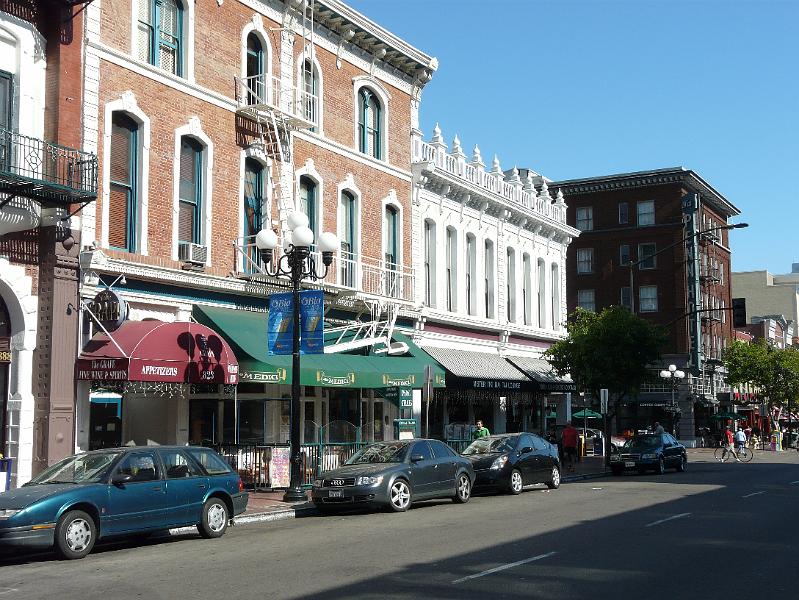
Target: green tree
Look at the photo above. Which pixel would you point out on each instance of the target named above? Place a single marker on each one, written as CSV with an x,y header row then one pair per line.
x,y
611,349
774,371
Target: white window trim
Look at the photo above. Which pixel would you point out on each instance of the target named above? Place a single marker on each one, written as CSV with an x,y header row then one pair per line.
x,y
638,213
474,272
187,43
127,104
492,283
385,98
258,155
28,66
554,295
194,129
593,293
541,292
527,289
300,60
309,170
348,185
640,304
433,253
454,286
256,25
391,200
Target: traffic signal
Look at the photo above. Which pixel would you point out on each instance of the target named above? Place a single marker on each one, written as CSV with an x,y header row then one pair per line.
x,y
739,312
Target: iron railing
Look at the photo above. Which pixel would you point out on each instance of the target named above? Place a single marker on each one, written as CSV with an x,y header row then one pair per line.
x,y
45,171
259,92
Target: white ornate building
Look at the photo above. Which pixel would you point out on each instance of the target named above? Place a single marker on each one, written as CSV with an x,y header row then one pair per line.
x,y
490,253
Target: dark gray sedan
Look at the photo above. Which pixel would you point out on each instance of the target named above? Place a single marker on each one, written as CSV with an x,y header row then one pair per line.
x,y
396,474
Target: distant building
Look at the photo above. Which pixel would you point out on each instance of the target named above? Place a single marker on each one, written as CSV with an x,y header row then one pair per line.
x,y
768,294
775,329
657,242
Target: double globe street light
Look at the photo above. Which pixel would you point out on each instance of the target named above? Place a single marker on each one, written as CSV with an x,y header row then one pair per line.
x,y
674,377
298,263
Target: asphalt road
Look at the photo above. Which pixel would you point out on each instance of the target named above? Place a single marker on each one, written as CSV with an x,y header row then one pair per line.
x,y
718,530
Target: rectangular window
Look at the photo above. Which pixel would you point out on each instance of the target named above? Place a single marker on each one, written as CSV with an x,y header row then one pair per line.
x,y
6,100
190,192
160,33
510,285
471,269
122,192
648,298
624,213
625,297
624,255
452,266
585,260
646,212
646,256
586,300
585,218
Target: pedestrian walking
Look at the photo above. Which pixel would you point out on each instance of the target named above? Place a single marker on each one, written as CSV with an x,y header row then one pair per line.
x,y
480,430
729,445
569,441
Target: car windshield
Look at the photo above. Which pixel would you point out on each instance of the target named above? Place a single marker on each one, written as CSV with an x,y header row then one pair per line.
x,y
642,442
81,468
486,445
380,453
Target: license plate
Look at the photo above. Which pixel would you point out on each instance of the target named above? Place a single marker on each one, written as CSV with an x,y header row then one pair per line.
x,y
629,464
335,494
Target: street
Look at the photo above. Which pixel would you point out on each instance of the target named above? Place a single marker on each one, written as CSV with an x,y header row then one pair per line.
x,y
715,530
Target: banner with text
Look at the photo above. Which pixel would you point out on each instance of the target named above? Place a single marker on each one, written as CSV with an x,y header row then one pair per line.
x,y
280,324
312,331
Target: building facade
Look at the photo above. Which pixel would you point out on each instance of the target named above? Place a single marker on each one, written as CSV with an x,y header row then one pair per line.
x,y
213,121
657,242
491,254
768,294
45,182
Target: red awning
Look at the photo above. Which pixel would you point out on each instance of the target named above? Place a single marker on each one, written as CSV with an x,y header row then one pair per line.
x,y
161,352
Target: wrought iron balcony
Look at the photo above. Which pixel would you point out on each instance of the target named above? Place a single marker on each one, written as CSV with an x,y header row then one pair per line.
x,y
51,174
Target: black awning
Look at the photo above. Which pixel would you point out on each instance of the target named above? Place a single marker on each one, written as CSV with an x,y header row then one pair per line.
x,y
540,371
480,371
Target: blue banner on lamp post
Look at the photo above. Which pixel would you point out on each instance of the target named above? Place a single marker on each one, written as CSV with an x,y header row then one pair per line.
x,y
280,324
312,330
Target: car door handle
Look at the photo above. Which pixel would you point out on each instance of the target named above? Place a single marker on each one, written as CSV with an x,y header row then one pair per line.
x,y
201,485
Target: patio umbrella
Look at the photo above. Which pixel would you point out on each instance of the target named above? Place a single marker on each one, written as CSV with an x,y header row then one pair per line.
x,y
586,413
728,416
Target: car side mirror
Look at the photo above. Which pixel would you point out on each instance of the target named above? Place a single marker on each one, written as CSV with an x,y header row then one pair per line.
x,y
416,458
526,449
121,479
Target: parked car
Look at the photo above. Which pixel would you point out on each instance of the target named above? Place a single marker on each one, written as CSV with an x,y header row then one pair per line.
x,y
652,451
118,492
511,461
396,474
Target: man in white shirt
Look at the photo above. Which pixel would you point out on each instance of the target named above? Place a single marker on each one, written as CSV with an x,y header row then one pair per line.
x,y
740,439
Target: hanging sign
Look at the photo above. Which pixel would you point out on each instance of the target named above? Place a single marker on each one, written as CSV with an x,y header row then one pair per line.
x,y
312,331
109,308
280,325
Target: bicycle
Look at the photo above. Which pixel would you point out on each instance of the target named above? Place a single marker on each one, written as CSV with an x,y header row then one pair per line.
x,y
744,454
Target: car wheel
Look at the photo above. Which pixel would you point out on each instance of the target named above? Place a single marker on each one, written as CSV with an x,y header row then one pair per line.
x,y
463,491
616,471
554,478
516,484
75,534
215,518
399,496
661,466
682,464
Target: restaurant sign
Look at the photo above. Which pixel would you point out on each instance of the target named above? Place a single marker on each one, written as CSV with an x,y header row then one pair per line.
x,y
399,380
109,308
343,380
276,376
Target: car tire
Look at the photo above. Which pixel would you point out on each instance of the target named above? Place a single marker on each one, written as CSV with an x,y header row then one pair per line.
x,y
75,534
400,495
515,483
617,471
683,462
463,489
215,518
554,478
661,468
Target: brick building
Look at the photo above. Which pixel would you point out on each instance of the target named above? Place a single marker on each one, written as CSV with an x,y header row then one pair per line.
x,y
44,183
232,117
658,242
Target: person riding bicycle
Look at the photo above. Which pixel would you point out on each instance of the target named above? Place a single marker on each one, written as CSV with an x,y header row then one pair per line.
x,y
740,439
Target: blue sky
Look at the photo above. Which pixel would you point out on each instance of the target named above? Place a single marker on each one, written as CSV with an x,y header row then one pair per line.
x,y
578,88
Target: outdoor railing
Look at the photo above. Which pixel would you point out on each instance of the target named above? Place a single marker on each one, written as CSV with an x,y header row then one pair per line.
x,y
56,172
270,91
491,182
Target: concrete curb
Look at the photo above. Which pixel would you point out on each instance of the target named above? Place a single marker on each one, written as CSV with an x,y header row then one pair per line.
x,y
280,514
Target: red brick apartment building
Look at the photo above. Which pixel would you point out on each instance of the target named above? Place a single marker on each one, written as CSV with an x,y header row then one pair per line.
x,y
669,227
215,120
44,182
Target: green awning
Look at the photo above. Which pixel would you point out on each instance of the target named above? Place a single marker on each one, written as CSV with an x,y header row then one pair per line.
x,y
245,331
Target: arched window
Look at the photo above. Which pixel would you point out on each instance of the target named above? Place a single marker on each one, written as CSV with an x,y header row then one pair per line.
x,y
392,250
452,269
348,239
190,192
369,123
527,286
254,199
471,272
555,298
161,34
488,275
123,204
542,290
430,262
256,68
310,92
309,202
510,284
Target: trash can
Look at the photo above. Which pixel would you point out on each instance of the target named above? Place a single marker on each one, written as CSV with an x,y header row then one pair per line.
x,y
776,441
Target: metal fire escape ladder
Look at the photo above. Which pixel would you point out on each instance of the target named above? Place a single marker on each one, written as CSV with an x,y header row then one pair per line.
x,y
377,332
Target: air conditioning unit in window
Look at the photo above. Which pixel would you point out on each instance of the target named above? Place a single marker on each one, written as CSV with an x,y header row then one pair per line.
x,y
194,254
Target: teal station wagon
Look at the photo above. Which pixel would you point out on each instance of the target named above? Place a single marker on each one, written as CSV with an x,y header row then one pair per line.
x,y
119,492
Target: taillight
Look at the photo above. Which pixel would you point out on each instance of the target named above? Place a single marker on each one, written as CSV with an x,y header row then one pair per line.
x,y
241,485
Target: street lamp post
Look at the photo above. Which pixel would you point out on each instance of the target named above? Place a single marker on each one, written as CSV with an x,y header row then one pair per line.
x,y
673,376
298,263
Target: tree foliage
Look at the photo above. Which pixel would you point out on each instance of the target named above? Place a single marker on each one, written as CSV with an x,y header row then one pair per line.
x,y
611,349
774,371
